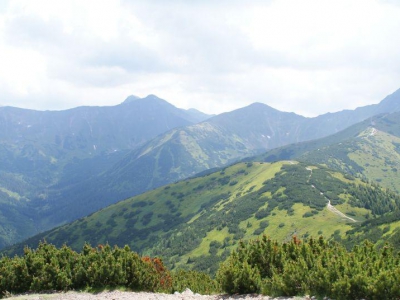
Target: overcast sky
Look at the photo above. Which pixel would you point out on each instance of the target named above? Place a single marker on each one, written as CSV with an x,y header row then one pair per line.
x,y
309,57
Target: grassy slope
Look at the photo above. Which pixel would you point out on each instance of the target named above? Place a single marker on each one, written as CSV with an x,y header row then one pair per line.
x,y
187,221
373,154
380,158
370,149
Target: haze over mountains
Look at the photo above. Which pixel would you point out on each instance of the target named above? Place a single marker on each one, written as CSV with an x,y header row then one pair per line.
x,y
60,166
45,150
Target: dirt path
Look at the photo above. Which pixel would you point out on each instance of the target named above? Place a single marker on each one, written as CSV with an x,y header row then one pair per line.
x,y
329,206
338,212
119,295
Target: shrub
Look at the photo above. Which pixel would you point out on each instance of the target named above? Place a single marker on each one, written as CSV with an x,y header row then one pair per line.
x,y
197,282
49,268
261,214
316,267
308,214
239,277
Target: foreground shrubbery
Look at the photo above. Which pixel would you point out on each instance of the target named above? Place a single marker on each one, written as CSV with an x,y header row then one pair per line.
x,y
197,282
314,267
48,268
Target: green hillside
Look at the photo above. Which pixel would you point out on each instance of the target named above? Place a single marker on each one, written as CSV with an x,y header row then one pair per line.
x,y
196,222
370,149
374,154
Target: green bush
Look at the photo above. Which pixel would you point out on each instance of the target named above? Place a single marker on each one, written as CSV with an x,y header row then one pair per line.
x,y
49,268
197,282
314,267
308,214
239,277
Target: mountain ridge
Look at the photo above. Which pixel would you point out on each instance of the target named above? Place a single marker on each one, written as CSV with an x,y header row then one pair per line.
x,y
82,183
185,151
42,151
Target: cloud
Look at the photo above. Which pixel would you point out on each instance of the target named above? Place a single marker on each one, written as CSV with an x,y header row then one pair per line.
x,y
32,31
304,56
127,55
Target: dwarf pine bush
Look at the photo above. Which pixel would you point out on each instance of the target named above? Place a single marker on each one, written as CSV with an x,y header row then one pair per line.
x,y
315,267
49,268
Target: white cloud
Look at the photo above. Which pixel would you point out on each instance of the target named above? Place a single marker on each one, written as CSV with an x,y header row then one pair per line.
x,y
305,56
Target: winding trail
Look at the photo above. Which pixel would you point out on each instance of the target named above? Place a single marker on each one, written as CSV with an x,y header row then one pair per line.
x,y
329,206
114,295
338,212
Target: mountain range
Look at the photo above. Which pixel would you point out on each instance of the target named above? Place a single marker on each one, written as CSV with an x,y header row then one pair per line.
x,y
42,151
78,161
184,151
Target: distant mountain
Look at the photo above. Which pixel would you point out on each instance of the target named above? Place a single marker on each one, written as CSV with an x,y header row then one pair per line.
x,y
330,123
196,222
370,149
197,115
41,151
64,178
131,98
222,139
90,130
177,154
186,151
38,144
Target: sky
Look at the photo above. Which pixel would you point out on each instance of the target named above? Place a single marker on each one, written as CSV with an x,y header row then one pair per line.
x,y
309,57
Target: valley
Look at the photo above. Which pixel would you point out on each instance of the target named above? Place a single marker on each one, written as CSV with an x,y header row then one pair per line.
x,y
192,185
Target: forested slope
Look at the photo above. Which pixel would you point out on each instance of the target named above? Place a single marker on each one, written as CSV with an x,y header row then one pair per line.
x,y
196,222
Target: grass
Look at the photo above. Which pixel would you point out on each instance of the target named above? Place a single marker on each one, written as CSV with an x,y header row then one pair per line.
x,y
378,157
356,213
204,247
324,221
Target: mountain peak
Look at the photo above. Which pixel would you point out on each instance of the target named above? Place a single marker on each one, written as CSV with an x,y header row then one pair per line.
x,y
131,99
260,105
265,108
152,97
